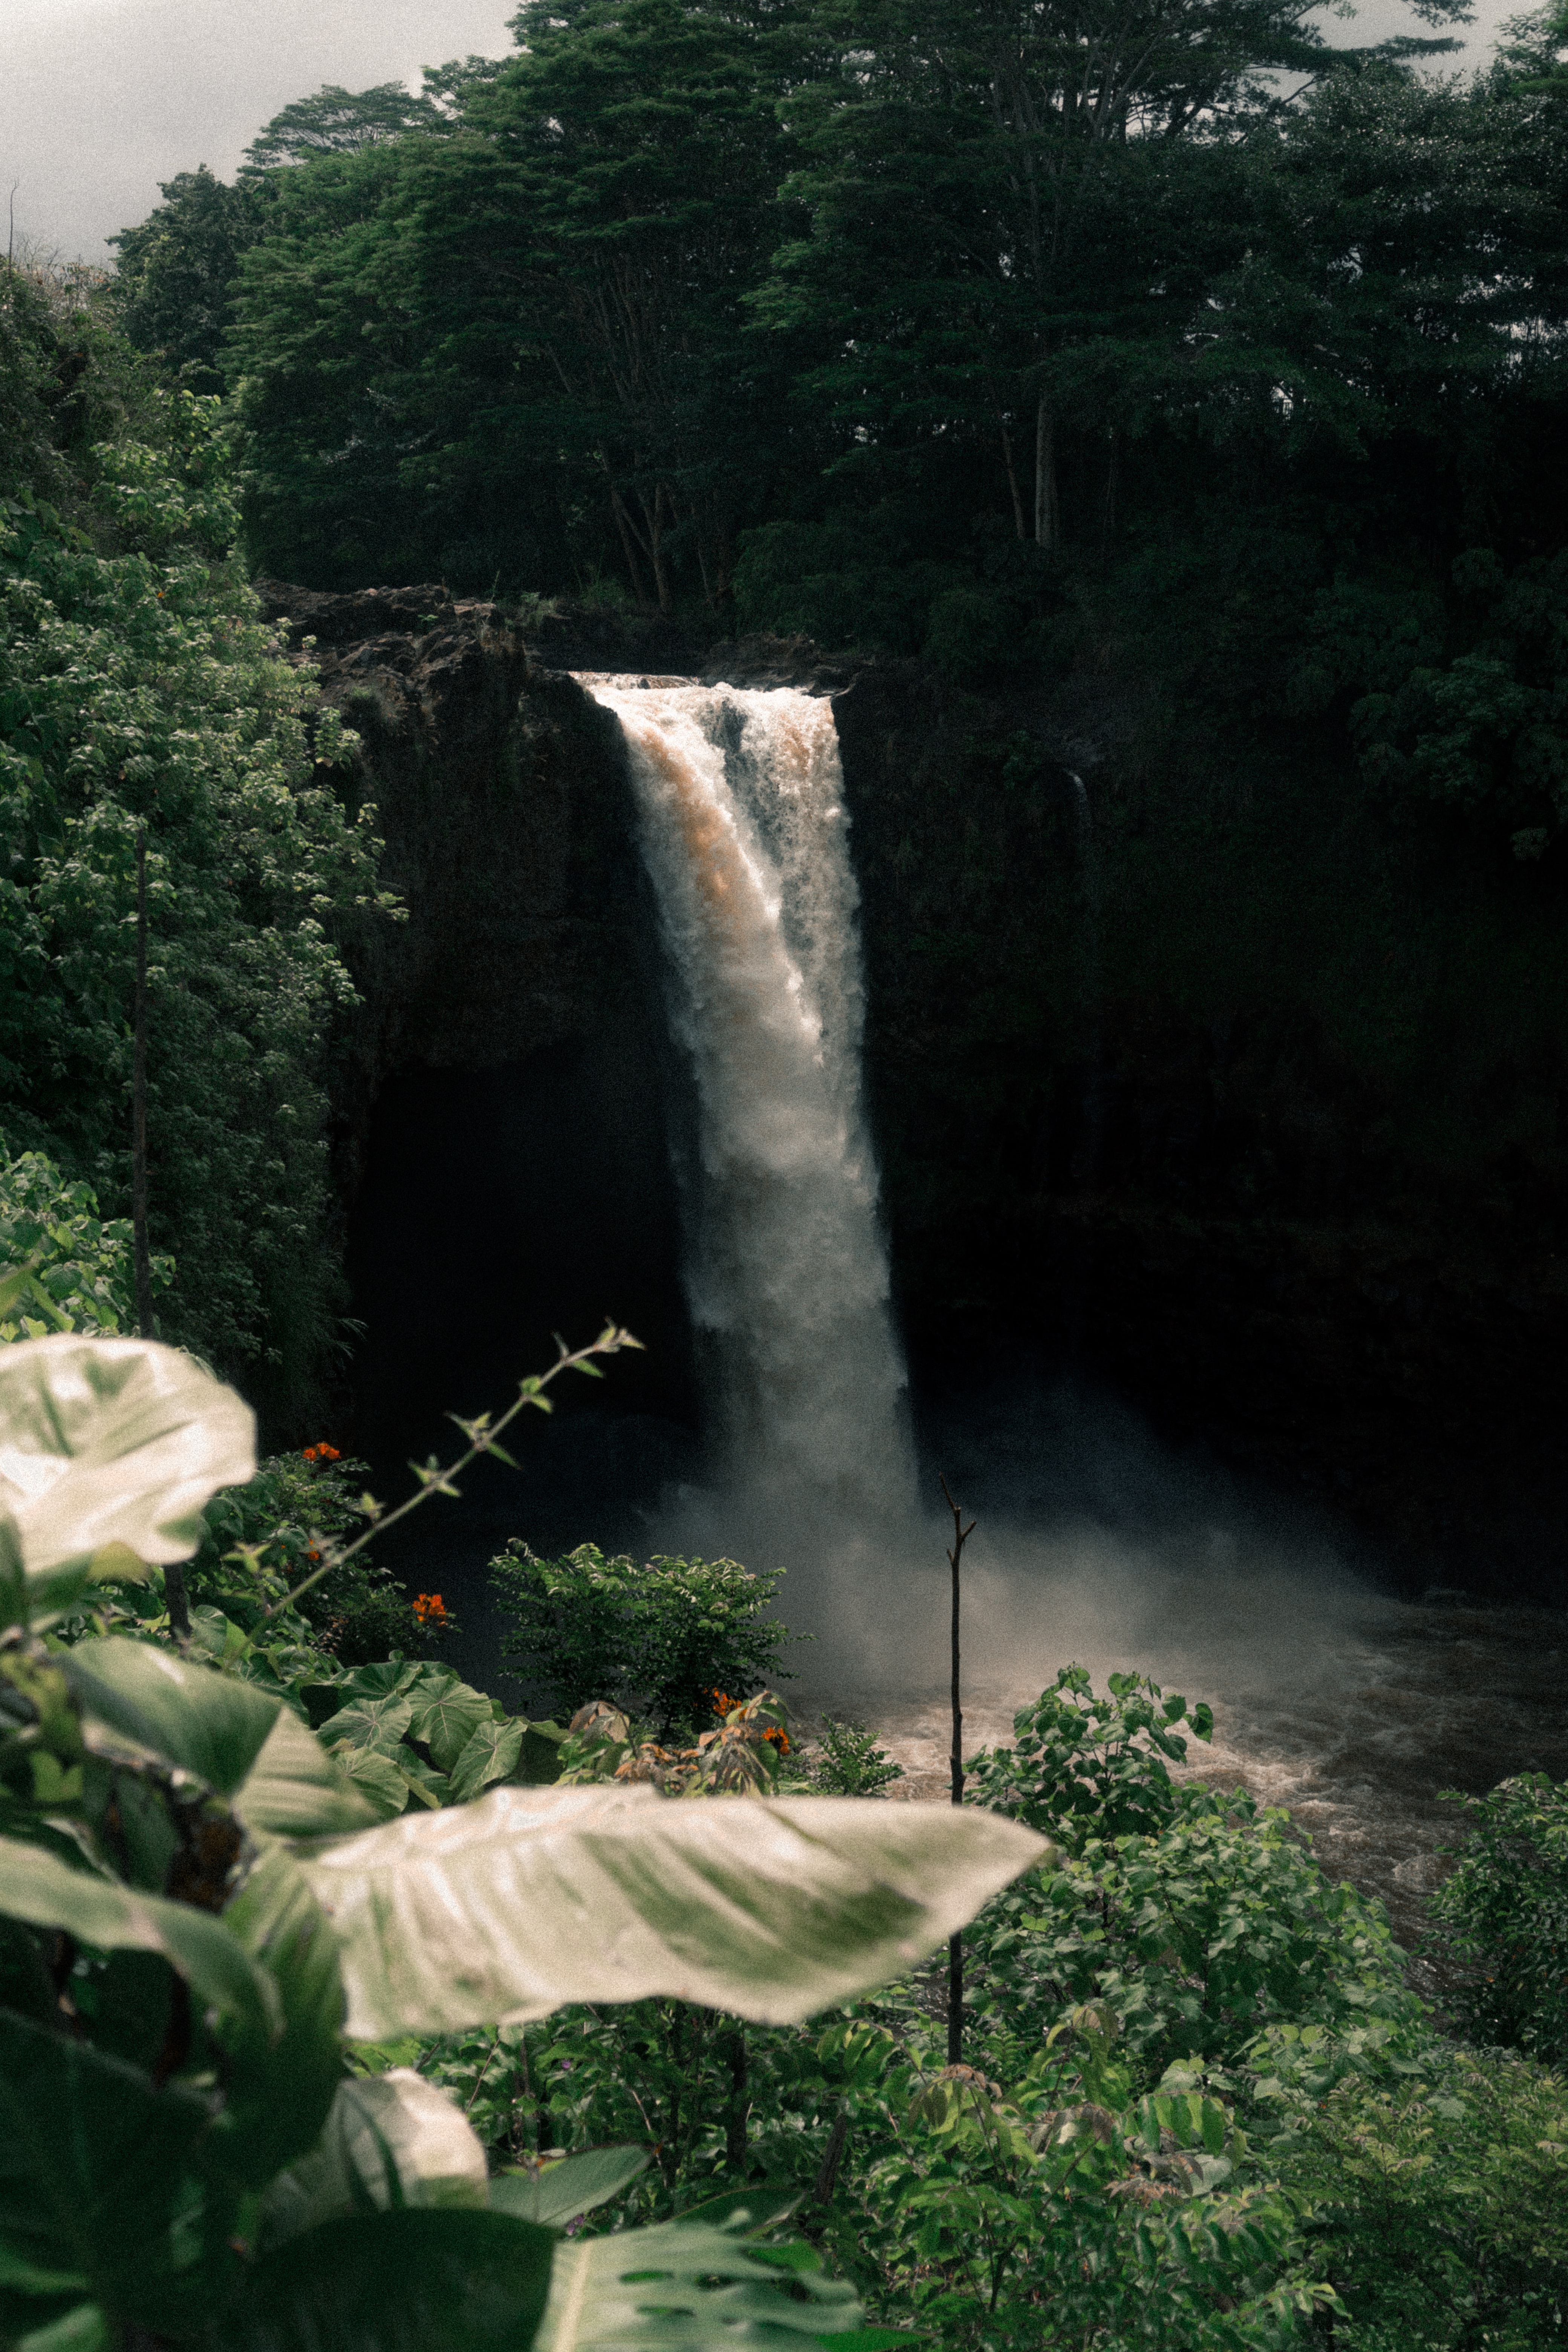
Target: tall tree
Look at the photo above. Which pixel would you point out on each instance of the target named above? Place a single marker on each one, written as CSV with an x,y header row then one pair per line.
x,y
968,167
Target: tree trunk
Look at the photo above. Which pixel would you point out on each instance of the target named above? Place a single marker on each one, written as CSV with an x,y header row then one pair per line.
x,y
740,2111
628,542
1018,523
173,1572
1047,510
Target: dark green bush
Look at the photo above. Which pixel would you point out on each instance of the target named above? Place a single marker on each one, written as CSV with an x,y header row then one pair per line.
x,y
663,1640
1502,1916
266,1538
1087,1767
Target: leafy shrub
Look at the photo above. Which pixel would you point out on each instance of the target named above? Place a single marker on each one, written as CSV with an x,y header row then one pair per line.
x,y
849,1763
268,1536
1087,1767
80,1274
1502,1914
663,1640
1435,2198
1197,1919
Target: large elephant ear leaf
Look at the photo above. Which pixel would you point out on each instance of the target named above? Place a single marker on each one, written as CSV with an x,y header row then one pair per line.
x,y
114,1441
685,2286
772,1909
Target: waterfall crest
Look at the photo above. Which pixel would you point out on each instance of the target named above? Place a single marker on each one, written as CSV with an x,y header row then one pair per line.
x,y
740,795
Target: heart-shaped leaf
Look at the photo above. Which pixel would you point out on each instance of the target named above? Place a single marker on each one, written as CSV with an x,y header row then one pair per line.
x,y
559,2192
490,1753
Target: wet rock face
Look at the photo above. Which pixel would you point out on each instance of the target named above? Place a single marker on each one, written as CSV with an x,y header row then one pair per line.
x,y
1217,1216
504,1091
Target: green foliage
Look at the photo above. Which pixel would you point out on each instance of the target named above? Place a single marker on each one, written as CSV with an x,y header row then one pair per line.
x,y
849,1763
264,1538
1088,1766
139,695
664,1639
1435,2199
1502,1917
174,282
80,1272
192,1913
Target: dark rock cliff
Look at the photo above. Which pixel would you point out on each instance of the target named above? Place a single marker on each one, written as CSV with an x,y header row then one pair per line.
x,y
1110,1139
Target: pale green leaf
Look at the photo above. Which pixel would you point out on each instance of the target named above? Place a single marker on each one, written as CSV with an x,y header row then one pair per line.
x,y
559,2192
114,1441
531,1897
376,1778
368,1723
208,1723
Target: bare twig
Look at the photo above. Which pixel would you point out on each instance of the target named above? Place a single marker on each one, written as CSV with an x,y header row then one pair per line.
x,y
960,1535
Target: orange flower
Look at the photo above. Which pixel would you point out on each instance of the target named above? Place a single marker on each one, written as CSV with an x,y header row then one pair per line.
x,y
429,1608
322,1453
780,1739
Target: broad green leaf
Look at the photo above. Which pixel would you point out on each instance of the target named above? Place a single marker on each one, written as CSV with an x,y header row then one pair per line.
x,y
209,1724
280,2087
114,1441
387,1677
390,2140
46,1893
448,1721
85,2329
490,1753
401,2282
296,1789
683,2286
94,2163
574,2185
377,1779
531,1898
368,1723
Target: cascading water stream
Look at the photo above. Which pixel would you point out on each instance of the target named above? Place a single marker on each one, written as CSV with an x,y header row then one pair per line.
x,y
743,829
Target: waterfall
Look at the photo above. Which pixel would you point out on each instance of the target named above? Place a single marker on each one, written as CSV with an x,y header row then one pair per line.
x,y
740,797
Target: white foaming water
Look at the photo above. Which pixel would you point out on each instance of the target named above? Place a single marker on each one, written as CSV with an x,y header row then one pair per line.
x,y
745,837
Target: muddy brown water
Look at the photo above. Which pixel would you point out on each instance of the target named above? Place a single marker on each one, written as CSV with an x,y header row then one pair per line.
x,y
1356,1717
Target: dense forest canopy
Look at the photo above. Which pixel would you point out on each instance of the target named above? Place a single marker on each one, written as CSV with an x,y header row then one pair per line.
x,y
973,331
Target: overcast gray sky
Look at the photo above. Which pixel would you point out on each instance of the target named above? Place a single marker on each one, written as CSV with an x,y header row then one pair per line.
x,y
99,99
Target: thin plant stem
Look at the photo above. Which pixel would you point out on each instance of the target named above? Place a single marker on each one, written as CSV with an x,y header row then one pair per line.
x,y
481,1437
